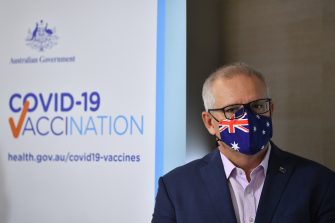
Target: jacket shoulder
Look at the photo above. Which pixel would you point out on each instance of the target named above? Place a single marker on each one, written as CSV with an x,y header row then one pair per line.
x,y
302,164
190,169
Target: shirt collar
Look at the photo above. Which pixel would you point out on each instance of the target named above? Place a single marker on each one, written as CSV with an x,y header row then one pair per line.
x,y
229,166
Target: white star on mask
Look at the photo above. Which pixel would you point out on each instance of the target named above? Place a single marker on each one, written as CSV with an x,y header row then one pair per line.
x,y
235,146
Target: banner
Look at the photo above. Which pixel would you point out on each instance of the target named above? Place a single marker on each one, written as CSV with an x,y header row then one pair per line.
x,y
78,103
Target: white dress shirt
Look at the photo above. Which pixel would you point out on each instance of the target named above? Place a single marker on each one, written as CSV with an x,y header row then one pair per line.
x,y
245,195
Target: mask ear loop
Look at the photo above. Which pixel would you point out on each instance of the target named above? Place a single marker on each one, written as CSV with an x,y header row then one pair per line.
x,y
217,139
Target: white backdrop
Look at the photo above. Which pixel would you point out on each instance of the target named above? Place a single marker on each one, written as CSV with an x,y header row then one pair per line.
x,y
85,151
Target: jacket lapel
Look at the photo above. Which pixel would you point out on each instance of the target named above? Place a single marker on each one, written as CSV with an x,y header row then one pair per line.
x,y
277,177
216,184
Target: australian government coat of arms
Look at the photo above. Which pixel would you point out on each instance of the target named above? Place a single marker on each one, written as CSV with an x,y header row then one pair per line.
x,y
41,37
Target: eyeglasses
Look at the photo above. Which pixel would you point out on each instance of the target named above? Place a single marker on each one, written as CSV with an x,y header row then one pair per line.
x,y
235,111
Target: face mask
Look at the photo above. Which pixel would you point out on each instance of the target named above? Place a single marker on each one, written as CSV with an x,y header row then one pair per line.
x,y
248,134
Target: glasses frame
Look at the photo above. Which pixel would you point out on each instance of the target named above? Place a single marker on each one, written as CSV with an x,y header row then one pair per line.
x,y
245,106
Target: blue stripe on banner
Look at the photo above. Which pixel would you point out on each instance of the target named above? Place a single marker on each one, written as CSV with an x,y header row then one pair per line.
x,y
174,84
160,91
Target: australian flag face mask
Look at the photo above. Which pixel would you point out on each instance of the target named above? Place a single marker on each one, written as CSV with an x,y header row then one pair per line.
x,y
248,134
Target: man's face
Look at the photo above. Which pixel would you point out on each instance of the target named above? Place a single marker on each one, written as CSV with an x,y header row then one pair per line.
x,y
239,89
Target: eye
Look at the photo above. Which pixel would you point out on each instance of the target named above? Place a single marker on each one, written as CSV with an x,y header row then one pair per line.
x,y
232,109
259,106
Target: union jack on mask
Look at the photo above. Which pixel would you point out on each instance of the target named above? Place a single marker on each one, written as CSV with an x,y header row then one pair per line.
x,y
248,134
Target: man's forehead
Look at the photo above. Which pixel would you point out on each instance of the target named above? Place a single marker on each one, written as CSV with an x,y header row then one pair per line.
x,y
238,89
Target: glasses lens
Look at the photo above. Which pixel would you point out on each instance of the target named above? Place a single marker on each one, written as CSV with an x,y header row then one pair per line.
x,y
260,106
233,111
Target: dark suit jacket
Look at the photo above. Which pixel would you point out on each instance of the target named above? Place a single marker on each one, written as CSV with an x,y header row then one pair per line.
x,y
295,190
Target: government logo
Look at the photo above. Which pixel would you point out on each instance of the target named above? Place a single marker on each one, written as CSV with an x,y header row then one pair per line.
x,y
42,37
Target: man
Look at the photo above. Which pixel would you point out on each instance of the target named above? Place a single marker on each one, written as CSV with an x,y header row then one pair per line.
x,y
248,178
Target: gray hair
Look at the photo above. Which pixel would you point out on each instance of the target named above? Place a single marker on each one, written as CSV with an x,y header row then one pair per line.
x,y
228,72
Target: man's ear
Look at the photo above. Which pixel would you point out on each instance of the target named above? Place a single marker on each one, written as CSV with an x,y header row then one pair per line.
x,y
272,108
208,122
